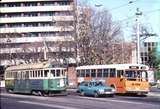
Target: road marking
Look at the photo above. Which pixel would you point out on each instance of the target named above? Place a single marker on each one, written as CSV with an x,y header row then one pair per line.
x,y
47,105
118,101
23,96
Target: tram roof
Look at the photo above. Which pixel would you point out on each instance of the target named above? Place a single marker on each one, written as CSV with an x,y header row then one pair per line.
x,y
31,66
117,66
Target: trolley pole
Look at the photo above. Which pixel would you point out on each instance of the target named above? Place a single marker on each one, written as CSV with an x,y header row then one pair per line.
x,y
138,13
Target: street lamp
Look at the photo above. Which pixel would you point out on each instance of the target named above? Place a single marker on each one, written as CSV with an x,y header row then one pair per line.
x,y
98,5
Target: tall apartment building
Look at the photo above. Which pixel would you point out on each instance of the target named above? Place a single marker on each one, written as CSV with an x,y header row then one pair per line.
x,y
29,27
147,47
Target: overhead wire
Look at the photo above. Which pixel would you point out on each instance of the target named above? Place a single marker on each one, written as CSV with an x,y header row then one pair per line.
x,y
123,5
146,12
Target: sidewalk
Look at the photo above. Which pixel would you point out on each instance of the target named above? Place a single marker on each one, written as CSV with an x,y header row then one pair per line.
x,y
155,94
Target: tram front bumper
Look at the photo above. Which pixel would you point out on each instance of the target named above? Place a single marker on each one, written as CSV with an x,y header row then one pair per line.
x,y
137,91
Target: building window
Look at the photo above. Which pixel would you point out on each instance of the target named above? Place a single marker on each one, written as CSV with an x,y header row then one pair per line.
x,y
149,48
142,54
145,59
145,44
149,44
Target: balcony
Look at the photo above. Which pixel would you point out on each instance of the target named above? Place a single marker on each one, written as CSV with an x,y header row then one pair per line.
x,y
36,19
2,1
36,29
37,39
36,9
29,49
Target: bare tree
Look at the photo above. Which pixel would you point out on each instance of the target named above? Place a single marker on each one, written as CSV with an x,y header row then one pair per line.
x,y
97,36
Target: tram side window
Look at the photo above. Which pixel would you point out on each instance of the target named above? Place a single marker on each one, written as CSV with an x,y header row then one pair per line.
x,y
105,73
7,74
53,73
58,73
21,74
93,73
15,75
87,73
65,72
36,72
99,73
18,75
78,73
82,73
27,74
62,72
41,73
10,74
112,73
31,74
45,73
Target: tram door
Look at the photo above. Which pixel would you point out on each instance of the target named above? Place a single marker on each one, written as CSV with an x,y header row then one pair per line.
x,y
17,81
22,82
26,82
52,82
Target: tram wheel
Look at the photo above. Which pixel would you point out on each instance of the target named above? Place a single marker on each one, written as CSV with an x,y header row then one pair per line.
x,y
33,92
45,94
39,93
10,90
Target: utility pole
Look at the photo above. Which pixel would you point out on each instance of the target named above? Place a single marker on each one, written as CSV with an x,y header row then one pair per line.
x,y
138,13
45,51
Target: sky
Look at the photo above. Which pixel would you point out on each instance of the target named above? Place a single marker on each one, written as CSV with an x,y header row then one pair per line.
x,y
122,10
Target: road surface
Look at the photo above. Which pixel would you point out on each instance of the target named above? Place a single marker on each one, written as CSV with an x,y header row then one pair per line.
x,y
74,101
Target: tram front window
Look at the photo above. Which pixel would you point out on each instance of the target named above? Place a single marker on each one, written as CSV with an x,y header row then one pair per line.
x,y
134,75
143,75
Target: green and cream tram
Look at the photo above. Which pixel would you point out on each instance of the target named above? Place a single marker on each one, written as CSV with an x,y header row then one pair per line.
x,y
40,79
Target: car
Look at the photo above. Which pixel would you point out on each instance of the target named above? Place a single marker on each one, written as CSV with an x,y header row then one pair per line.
x,y
158,84
95,88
